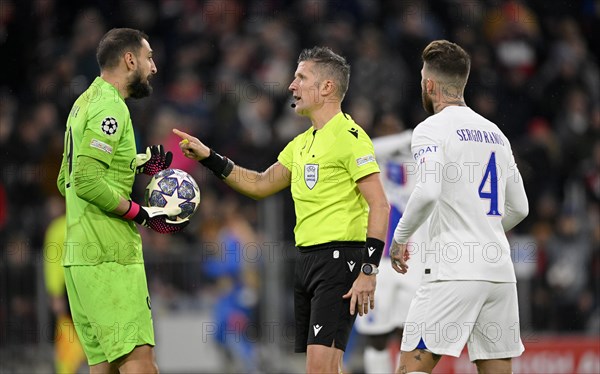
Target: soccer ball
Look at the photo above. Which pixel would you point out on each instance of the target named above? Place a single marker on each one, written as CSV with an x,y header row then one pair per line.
x,y
172,188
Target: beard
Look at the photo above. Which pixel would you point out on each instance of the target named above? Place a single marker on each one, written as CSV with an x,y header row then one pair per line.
x,y
137,88
427,102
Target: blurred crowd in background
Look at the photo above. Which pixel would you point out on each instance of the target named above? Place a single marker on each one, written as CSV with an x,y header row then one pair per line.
x,y
224,67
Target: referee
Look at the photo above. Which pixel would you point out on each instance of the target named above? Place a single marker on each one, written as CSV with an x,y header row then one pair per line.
x,y
341,208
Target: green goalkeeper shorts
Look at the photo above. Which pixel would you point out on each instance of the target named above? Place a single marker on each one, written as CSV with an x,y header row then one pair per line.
x,y
110,305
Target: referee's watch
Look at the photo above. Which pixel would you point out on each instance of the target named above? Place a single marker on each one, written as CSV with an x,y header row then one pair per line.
x,y
369,269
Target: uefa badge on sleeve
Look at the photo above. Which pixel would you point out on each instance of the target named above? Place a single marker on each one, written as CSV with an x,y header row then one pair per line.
x,y
109,126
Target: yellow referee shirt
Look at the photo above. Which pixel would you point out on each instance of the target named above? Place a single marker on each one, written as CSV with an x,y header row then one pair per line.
x,y
325,165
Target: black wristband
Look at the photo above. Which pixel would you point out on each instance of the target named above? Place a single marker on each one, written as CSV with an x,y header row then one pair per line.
x,y
373,251
221,166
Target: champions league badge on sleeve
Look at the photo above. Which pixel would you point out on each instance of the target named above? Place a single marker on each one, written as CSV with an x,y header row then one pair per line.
x,y
109,126
311,175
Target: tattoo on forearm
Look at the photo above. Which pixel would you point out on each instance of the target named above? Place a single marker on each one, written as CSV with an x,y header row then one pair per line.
x,y
402,369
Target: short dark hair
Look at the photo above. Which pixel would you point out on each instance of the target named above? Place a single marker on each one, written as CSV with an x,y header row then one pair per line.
x,y
115,43
331,65
448,59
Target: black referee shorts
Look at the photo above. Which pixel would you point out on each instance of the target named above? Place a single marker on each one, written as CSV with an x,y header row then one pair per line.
x,y
324,273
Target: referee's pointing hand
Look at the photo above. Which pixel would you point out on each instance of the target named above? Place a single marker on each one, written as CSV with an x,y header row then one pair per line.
x,y
192,147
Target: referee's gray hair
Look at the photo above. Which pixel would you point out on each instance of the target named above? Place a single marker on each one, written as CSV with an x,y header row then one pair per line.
x,y
330,65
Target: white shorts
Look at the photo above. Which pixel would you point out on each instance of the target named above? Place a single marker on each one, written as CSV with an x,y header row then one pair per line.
x,y
449,314
393,295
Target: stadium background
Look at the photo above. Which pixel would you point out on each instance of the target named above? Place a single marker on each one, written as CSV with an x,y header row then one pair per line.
x,y
221,292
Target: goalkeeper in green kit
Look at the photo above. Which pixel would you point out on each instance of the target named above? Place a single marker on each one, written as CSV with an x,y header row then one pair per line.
x,y
103,261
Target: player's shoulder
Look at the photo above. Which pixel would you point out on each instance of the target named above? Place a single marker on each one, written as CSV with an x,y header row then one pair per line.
x,y
445,122
395,140
431,127
101,96
491,129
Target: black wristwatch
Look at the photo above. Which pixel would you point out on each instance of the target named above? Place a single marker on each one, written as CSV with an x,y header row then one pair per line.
x,y
369,269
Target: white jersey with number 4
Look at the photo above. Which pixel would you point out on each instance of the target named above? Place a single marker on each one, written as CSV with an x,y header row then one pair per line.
x,y
470,188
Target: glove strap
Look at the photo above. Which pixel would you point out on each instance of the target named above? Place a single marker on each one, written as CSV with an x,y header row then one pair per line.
x,y
373,251
221,166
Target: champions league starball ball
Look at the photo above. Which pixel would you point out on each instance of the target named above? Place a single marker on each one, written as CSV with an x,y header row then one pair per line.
x,y
174,188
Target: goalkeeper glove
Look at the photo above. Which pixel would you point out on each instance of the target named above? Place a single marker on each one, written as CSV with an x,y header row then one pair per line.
x,y
155,218
154,160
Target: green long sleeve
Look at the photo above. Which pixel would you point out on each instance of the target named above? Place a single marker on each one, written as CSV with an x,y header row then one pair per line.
x,y
91,186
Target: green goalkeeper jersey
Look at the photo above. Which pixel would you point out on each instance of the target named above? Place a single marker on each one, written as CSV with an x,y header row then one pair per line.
x,y
99,126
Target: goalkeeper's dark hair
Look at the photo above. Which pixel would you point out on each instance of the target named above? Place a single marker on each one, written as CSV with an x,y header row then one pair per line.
x,y
115,43
330,65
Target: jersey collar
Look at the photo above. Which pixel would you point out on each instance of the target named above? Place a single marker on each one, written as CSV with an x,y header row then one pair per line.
x,y
333,125
104,85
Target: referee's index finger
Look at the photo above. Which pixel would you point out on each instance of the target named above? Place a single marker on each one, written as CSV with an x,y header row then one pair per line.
x,y
181,134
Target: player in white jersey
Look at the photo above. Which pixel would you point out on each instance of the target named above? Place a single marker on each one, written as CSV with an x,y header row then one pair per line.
x,y
471,191
393,293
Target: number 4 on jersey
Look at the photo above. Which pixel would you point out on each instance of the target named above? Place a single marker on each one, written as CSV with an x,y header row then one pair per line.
x,y
491,174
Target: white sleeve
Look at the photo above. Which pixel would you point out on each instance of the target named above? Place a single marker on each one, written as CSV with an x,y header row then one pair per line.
x,y
516,206
428,154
